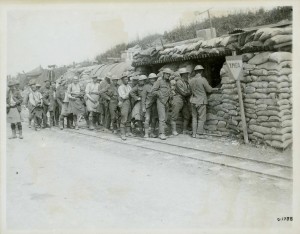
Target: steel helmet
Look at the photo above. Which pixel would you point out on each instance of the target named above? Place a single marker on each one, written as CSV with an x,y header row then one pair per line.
x,y
108,75
11,83
167,70
142,77
124,74
114,77
183,70
198,67
134,78
75,78
152,75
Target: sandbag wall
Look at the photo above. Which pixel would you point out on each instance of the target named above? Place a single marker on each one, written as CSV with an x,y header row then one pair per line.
x,y
267,96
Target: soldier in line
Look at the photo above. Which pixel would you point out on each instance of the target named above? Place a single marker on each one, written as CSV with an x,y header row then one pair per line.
x,y
180,101
136,96
13,108
92,101
199,88
36,101
45,91
162,90
27,103
76,95
52,105
64,102
125,107
104,85
99,108
112,96
149,107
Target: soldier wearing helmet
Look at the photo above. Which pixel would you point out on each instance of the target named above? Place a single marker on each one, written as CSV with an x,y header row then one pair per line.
x,y
125,107
180,101
112,96
162,90
149,107
136,95
199,88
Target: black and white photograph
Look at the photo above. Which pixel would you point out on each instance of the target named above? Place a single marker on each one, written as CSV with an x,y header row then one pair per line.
x,y
141,117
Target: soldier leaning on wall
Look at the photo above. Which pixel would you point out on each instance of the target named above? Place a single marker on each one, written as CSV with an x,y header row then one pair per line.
x,y
199,88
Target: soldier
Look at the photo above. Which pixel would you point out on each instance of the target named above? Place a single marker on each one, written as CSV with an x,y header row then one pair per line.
x,y
125,107
63,100
199,88
149,106
99,112
104,85
27,103
52,105
92,102
180,101
13,108
45,91
36,101
136,95
112,96
75,95
162,90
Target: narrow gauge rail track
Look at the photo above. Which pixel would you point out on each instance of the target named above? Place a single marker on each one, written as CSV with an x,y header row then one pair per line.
x,y
216,158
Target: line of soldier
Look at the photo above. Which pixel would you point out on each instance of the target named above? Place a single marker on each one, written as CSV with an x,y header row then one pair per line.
x,y
123,103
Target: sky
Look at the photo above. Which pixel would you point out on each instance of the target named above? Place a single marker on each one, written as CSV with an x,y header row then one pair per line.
x,y
60,35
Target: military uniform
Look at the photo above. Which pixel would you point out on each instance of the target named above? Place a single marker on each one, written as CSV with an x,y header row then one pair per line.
x,y
180,102
46,102
162,90
92,102
112,96
106,118
199,88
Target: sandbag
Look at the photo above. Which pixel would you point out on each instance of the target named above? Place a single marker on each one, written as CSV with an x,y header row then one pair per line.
x,y
274,118
278,144
279,57
230,102
278,39
287,64
259,72
257,96
250,100
228,86
283,85
262,118
231,97
249,89
259,135
259,84
260,129
248,66
283,102
261,58
282,138
269,66
270,78
284,95
261,107
271,90
266,101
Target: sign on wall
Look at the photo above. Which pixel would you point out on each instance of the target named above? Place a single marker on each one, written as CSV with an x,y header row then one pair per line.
x,y
235,65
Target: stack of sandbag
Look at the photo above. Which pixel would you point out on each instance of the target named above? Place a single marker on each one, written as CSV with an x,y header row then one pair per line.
x,y
268,98
215,121
268,37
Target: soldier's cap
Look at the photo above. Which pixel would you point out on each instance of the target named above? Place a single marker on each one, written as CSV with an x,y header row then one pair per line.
x,y
198,67
99,78
152,75
75,78
38,85
167,70
94,76
142,77
47,81
11,83
134,78
31,82
17,82
183,70
108,75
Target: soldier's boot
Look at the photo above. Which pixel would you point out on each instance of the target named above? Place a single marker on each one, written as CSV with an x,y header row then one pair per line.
x,y
29,122
92,119
152,134
194,128
76,122
200,130
87,123
185,126
61,126
14,133
146,133
173,125
20,130
123,135
128,132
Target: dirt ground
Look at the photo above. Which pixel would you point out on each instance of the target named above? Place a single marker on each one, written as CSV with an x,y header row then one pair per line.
x,y
56,179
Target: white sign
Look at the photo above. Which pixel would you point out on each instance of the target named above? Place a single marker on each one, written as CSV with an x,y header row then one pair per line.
x,y
235,65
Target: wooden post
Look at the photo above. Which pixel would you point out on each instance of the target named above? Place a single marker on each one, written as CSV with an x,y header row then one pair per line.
x,y
244,123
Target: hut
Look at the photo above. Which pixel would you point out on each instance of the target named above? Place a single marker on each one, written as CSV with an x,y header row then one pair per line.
x,y
266,83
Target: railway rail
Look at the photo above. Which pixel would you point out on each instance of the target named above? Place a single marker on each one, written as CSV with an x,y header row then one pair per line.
x,y
263,168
